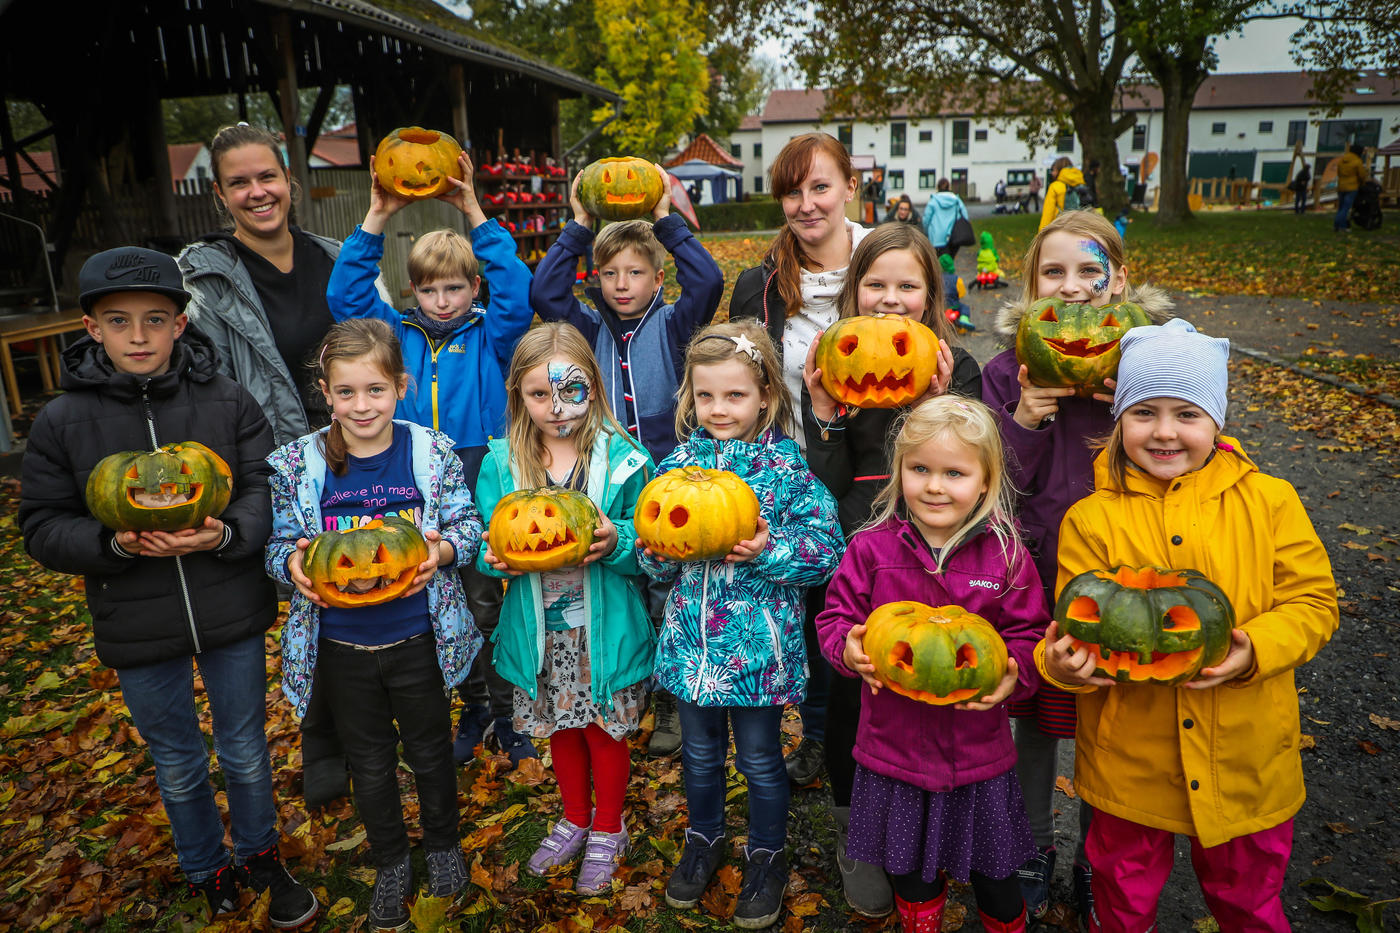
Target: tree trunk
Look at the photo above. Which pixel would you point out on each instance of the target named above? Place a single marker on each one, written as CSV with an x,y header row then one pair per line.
x,y
1096,127
1173,206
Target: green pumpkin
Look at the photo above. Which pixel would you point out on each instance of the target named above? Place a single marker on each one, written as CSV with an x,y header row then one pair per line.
x,y
1074,345
172,488
620,188
1147,625
940,656
367,565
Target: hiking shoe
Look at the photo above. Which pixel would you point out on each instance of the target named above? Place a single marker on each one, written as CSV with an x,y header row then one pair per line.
x,y
471,728
1084,899
666,738
219,889
600,858
699,862
324,780
866,887
1035,878
765,883
388,910
513,743
447,872
806,762
292,903
560,847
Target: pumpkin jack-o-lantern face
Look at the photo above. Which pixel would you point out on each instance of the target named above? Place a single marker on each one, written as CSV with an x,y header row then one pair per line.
x,y
877,360
365,566
691,513
534,530
620,188
415,163
939,656
1147,625
172,488
1064,344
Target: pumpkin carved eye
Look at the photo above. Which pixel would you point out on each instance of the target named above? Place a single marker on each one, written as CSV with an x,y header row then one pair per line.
x,y
848,346
607,177
678,516
1050,317
901,344
1111,321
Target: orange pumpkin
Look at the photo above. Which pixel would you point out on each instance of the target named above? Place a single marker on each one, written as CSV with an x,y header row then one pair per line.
x,y
620,188
533,530
415,163
939,656
365,566
691,513
877,360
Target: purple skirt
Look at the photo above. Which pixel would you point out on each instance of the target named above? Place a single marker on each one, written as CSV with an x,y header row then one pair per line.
x,y
979,827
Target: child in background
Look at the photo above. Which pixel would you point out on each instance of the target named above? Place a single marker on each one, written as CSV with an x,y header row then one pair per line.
x,y
731,648
386,669
954,291
638,339
894,270
1217,759
935,794
456,351
161,601
576,642
1077,257
989,273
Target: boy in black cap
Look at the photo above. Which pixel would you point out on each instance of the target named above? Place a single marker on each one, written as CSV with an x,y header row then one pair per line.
x,y
159,600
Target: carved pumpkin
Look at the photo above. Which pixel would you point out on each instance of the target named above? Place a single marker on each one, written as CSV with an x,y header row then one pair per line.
x,y
1147,625
365,566
620,189
877,360
939,656
691,513
172,488
534,530
1064,344
415,163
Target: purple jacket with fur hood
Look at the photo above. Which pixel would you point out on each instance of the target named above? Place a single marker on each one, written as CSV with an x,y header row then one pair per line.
x,y
935,747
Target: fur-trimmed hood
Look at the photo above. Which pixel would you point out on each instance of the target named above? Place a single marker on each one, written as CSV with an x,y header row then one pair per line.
x,y
1155,301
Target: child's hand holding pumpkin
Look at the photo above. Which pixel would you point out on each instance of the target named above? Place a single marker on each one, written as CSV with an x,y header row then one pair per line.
x,y
178,543
857,660
748,550
297,572
581,216
942,373
823,405
604,540
1068,663
495,562
663,207
463,195
997,696
440,554
1037,403
1239,662
383,204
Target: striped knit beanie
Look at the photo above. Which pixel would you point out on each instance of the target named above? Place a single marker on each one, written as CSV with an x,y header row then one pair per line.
x,y
1173,360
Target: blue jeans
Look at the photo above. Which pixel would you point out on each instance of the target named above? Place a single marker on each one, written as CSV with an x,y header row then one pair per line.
x,y
758,752
161,700
1344,201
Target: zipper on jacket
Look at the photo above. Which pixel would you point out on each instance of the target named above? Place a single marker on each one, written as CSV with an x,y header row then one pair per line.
x,y
627,346
777,643
179,566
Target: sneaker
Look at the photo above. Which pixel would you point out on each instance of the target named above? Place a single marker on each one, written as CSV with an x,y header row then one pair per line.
x,y
1035,878
560,847
513,743
219,889
806,762
292,903
866,887
600,858
666,739
1084,899
388,910
471,729
699,862
765,883
447,872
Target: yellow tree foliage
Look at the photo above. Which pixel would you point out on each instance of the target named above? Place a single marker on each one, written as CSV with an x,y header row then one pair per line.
x,y
652,58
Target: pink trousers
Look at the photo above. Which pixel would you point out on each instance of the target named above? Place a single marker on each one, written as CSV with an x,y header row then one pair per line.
x,y
1240,879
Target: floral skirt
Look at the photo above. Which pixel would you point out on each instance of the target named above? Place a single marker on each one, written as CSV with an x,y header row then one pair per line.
x,y
564,693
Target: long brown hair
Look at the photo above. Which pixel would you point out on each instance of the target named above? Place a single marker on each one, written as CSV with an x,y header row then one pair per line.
x,y
369,339
892,236
787,256
545,342
767,372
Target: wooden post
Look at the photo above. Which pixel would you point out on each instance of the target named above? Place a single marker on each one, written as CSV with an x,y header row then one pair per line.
x,y
287,94
457,88
166,221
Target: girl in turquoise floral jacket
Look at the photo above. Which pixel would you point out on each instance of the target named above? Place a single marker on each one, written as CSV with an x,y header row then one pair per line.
x,y
731,646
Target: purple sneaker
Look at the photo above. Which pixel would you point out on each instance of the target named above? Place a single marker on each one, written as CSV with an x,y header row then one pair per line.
x,y
600,860
560,847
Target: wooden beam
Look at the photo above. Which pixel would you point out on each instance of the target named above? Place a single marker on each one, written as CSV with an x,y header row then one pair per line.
x,y
291,127
167,222
457,85
318,115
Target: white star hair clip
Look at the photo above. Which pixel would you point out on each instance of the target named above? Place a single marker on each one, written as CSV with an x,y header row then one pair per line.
x,y
742,344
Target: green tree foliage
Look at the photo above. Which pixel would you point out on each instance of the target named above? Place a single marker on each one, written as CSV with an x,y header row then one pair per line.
x,y
739,83
651,57
1339,40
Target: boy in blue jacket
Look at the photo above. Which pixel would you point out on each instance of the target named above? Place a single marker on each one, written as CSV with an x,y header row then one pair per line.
x,y
457,353
638,338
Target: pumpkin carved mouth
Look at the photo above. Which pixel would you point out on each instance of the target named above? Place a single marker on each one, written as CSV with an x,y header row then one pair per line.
x,y
625,198
1081,348
168,495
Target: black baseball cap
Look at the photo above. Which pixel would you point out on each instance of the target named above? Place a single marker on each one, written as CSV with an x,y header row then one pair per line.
x,y
130,269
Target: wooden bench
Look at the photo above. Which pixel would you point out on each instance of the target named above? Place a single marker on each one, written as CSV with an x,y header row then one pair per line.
x,y
43,327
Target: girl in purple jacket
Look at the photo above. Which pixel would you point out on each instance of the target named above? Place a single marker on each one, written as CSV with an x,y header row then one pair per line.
x,y
935,791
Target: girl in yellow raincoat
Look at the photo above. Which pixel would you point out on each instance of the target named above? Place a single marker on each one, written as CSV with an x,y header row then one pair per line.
x,y
1217,758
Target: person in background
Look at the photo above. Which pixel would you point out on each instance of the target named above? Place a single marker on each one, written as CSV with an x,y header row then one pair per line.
x,y
903,212
1062,194
942,211
1299,186
1351,175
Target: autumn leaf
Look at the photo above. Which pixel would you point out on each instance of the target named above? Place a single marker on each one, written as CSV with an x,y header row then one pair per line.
x,y
1382,722
1065,786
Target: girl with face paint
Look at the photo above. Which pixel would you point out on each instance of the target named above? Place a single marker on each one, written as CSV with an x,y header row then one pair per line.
x,y
576,643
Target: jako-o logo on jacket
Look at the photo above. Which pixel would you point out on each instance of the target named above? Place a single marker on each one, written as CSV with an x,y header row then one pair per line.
x,y
985,584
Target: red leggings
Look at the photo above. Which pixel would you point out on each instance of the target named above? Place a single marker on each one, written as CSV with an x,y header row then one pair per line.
x,y
590,755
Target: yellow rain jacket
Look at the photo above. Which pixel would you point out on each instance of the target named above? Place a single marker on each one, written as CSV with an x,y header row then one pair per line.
x,y
1218,763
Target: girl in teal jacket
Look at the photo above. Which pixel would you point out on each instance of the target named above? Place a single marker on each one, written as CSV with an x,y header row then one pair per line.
x,y
576,642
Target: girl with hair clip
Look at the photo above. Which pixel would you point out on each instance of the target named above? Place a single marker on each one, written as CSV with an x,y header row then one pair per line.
x,y
731,646
935,793
385,670
1078,257
577,642
894,271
